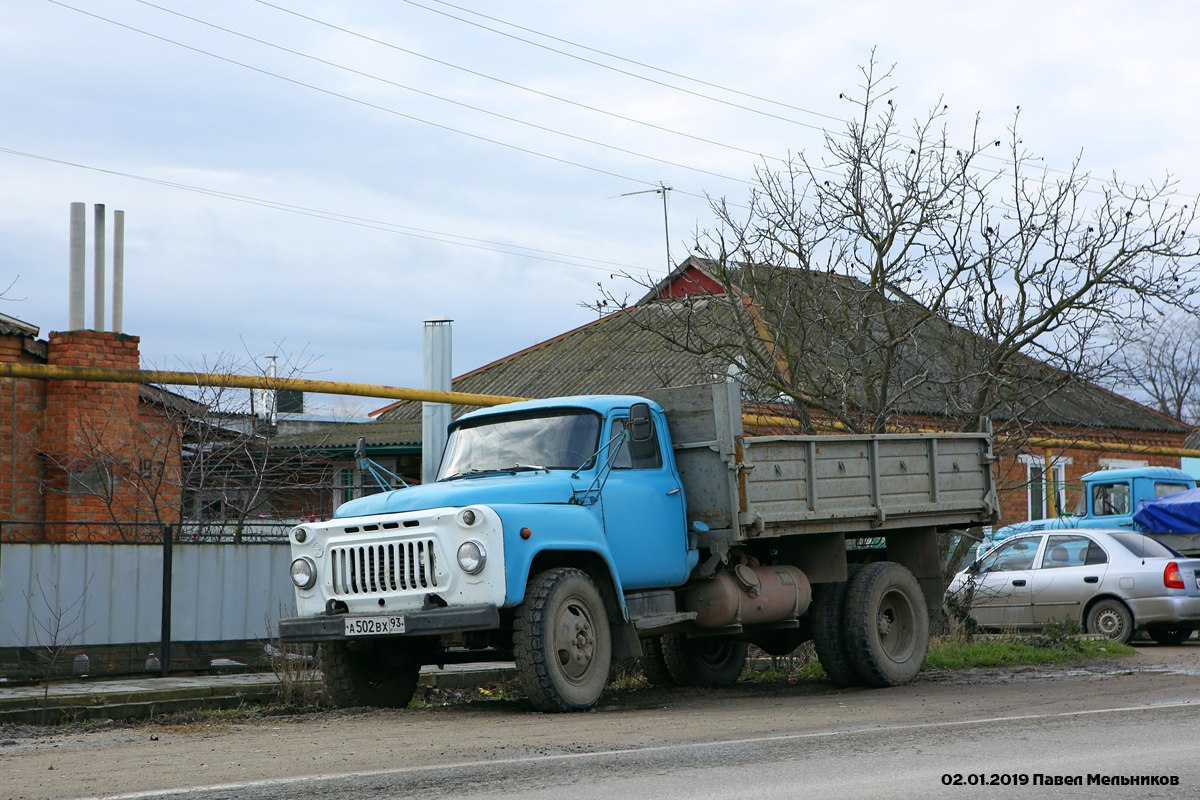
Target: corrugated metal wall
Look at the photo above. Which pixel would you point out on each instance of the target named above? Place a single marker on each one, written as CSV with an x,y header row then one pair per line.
x,y
97,594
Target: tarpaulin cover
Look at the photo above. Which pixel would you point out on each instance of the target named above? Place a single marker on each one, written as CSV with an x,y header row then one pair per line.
x,y
1175,513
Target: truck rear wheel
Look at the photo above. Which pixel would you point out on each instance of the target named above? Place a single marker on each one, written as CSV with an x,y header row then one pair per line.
x,y
561,641
829,631
712,661
887,624
654,663
379,674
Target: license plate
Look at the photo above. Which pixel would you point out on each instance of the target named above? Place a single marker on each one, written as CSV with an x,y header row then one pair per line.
x,y
372,626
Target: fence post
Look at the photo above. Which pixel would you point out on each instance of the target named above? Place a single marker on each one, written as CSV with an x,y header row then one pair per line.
x,y
165,644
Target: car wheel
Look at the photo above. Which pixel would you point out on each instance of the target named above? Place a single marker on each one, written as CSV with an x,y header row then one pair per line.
x,y
561,641
1169,634
703,662
1111,619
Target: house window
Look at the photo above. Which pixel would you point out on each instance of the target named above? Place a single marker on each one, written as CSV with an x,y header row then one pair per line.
x,y
1036,489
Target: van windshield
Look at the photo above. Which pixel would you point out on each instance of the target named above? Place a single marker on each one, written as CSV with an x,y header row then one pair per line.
x,y
554,439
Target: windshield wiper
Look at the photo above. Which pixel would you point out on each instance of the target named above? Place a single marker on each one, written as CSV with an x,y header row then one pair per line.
x,y
515,468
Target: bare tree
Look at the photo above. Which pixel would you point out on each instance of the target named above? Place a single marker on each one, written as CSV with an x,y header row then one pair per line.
x,y
1160,362
897,276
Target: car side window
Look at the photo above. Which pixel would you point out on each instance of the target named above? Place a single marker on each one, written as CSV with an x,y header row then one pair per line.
x,y
1110,499
1071,551
636,455
1015,555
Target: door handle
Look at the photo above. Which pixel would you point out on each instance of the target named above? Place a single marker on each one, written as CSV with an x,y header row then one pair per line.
x,y
1091,579
674,491
1018,582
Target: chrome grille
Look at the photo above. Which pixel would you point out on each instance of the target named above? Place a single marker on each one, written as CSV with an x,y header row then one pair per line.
x,y
383,568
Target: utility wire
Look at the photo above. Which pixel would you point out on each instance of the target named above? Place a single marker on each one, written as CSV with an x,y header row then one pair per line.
x,y
362,222
369,76
384,109
517,86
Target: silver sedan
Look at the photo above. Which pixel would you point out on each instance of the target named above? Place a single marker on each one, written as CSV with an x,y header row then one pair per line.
x,y
1111,581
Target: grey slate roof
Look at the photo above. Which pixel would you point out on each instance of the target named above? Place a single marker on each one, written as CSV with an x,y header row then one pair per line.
x,y
618,354
380,434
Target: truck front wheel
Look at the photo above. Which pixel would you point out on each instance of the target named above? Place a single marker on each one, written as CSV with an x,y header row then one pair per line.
x,y
887,625
561,641
703,661
378,674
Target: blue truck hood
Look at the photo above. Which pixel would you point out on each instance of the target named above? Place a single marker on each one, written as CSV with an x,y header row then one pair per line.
x,y
523,488
1175,513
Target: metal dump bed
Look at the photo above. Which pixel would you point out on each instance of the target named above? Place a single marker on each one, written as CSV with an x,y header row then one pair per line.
x,y
744,487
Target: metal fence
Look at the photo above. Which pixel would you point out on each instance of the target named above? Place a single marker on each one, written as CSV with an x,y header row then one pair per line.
x,y
255,530
73,597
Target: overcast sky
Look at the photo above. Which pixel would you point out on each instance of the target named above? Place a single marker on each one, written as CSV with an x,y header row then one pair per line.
x,y
439,162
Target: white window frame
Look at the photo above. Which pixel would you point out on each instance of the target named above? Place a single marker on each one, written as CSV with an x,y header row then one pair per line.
x,y
1122,463
1058,466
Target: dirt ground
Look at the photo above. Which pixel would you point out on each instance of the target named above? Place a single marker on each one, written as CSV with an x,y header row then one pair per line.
x,y
116,758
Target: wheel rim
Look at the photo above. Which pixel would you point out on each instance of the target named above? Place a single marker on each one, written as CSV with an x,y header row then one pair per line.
x,y
1110,624
895,625
575,639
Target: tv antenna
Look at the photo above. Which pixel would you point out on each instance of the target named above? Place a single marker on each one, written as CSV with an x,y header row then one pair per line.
x,y
662,190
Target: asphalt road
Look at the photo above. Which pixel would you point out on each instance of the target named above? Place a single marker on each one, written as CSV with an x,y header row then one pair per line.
x,y
1033,729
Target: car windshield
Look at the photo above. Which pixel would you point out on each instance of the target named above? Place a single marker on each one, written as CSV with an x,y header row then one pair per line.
x,y
1143,546
557,439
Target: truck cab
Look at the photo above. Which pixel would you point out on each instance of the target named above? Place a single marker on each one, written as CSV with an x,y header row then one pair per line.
x,y
1108,499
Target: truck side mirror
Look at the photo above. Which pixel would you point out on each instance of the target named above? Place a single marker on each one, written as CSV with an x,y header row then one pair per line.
x,y
641,424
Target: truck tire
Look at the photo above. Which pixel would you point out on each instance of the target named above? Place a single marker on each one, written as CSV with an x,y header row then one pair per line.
x,y
1111,619
654,663
562,642
376,675
887,624
715,661
829,630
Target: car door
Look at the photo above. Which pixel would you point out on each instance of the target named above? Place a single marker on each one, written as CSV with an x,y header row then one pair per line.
x,y
1002,594
1070,572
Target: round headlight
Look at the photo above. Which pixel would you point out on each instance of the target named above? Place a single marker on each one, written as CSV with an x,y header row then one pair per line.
x,y
301,535
304,572
467,517
471,557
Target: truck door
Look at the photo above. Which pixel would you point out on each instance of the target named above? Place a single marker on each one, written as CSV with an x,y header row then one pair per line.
x,y
643,510
1112,505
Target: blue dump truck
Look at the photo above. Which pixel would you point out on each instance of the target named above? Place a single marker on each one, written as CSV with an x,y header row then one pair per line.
x,y
562,534
1111,498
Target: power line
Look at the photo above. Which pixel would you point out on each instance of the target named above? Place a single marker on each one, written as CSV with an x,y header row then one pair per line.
x,y
518,86
362,222
375,106
443,99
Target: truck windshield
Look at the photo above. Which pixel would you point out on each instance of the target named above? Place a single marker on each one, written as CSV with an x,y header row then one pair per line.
x,y
556,439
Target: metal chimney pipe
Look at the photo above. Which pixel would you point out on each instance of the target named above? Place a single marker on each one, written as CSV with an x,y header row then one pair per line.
x,y
77,285
98,259
435,417
118,290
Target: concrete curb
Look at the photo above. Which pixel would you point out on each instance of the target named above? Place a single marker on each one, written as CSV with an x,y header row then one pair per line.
x,y
142,698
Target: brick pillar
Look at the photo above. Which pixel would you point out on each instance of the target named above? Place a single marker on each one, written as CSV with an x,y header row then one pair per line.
x,y
22,403
88,434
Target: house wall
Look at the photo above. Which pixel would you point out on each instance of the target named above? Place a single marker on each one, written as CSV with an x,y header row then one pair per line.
x,y
22,403
76,452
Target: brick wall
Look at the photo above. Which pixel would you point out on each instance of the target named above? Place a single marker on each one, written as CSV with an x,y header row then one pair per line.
x,y
22,403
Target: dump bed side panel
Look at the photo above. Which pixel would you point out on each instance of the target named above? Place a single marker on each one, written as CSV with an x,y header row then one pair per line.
x,y
857,483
